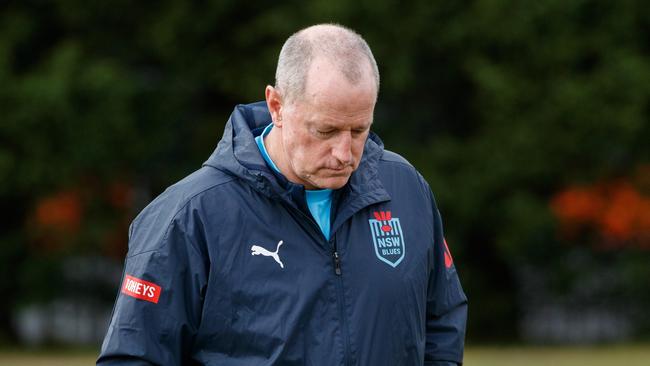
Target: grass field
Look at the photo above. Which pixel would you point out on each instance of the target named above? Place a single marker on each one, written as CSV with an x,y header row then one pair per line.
x,y
636,355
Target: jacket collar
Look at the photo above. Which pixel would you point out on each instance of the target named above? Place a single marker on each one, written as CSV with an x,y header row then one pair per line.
x,y
238,155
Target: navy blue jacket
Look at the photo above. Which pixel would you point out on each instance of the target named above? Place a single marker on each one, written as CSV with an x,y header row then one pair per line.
x,y
227,267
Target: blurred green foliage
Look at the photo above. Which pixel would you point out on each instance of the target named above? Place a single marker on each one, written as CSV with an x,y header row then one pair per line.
x,y
501,104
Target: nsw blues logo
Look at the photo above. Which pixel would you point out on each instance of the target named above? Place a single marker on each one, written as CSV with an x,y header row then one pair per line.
x,y
388,238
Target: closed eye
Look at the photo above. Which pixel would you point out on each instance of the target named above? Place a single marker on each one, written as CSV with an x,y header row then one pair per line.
x,y
325,133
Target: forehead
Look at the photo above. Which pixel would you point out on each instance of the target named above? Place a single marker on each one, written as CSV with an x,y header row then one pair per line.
x,y
331,97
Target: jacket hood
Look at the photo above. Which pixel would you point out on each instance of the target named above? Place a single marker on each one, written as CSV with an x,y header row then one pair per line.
x,y
237,154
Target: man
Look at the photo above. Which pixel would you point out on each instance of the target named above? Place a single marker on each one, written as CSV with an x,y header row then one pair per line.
x,y
299,242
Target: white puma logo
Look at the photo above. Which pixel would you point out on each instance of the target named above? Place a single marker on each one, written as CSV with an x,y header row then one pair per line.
x,y
257,250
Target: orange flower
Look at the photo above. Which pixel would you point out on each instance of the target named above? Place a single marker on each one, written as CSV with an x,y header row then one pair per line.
x,y
617,211
61,212
619,221
577,205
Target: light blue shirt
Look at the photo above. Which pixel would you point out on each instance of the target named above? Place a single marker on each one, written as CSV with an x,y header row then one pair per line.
x,y
319,201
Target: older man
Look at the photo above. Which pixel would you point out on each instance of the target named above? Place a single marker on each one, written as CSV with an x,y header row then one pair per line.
x,y
301,241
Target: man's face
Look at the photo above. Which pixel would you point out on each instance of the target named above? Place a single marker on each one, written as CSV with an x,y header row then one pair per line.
x,y
325,131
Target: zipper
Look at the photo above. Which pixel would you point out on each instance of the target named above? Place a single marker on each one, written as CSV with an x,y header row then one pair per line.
x,y
341,300
339,284
337,262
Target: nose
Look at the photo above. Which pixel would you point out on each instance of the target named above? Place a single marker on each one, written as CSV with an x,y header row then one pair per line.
x,y
342,149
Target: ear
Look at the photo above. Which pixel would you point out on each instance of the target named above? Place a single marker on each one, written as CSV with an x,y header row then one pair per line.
x,y
274,104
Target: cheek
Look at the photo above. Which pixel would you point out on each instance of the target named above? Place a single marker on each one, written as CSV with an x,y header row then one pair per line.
x,y
357,149
293,141
313,154
301,149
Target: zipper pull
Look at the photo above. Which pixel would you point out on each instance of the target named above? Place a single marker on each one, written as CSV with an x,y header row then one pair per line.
x,y
337,263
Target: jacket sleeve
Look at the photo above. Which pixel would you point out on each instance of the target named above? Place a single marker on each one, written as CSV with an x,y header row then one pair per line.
x,y
157,326
446,305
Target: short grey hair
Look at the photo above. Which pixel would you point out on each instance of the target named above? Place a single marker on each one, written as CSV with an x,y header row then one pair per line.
x,y
333,42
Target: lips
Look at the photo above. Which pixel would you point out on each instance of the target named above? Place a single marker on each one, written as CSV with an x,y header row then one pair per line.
x,y
339,172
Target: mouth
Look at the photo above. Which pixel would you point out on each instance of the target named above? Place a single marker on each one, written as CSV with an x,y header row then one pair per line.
x,y
337,175
341,171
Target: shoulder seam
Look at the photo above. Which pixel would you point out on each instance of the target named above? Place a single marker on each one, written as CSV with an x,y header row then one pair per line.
x,y
169,224
391,156
396,162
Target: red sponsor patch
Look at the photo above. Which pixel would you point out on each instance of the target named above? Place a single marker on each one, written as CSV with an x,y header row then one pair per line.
x,y
448,259
141,289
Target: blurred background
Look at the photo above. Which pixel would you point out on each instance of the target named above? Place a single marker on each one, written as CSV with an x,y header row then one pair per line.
x,y
529,119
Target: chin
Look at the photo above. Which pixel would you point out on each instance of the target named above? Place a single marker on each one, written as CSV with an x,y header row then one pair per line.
x,y
333,182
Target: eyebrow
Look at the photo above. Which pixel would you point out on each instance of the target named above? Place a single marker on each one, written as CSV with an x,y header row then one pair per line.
x,y
327,126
